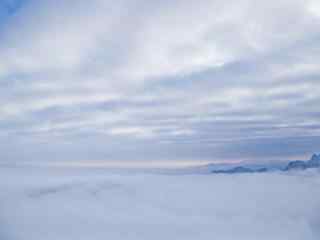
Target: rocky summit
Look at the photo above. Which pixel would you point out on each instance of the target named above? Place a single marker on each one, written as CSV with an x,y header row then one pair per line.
x,y
314,162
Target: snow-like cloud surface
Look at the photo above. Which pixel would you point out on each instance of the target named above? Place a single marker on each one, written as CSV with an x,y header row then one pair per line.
x,y
172,79
96,204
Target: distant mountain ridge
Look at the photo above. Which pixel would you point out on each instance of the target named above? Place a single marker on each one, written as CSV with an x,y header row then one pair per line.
x,y
314,162
241,169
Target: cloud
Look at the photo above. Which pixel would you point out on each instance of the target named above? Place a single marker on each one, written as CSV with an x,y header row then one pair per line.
x,y
167,205
160,73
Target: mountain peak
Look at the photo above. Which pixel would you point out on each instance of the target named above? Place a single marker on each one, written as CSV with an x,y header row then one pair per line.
x,y
315,157
314,161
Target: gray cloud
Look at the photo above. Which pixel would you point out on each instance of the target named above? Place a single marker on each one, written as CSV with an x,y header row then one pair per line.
x,y
159,80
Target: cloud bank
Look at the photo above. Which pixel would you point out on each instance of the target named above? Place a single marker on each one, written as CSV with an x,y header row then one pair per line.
x,y
96,204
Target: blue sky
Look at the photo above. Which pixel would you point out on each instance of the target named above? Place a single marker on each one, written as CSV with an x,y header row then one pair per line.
x,y
159,81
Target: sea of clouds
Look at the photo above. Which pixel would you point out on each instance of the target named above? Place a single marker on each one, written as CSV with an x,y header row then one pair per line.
x,y
41,203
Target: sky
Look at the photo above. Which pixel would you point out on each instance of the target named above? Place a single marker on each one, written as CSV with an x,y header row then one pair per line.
x,y
161,82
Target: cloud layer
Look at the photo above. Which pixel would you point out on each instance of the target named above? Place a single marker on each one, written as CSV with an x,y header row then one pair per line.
x,y
77,203
159,79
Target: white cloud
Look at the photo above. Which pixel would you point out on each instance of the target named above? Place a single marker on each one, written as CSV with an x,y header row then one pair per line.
x,y
167,69
67,100
155,206
314,7
132,131
165,40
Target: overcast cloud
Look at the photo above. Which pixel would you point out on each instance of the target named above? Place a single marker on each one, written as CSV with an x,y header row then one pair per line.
x,y
159,80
